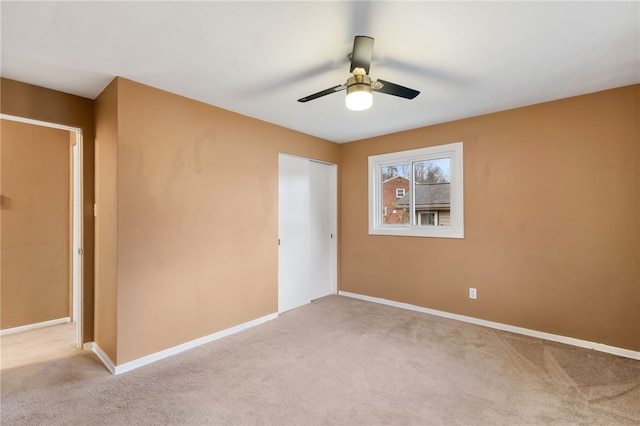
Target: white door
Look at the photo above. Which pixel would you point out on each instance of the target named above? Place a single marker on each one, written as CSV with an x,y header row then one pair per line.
x,y
307,231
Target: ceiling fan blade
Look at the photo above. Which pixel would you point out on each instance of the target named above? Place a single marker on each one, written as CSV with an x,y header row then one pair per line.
x,y
361,54
394,89
323,93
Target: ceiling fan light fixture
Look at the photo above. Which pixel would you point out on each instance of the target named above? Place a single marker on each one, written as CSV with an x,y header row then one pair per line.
x,y
359,96
359,86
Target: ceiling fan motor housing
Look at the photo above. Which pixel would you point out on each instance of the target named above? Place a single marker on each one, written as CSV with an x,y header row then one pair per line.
x,y
357,82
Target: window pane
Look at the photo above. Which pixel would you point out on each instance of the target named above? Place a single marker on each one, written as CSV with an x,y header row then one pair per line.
x,y
417,192
395,191
431,186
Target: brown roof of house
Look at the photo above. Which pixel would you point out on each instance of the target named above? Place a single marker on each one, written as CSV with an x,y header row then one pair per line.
x,y
428,194
395,177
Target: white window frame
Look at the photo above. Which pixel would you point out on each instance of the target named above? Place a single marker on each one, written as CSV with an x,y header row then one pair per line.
x,y
453,151
397,192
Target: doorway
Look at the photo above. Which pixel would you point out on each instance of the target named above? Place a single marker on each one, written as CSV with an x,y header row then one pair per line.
x,y
307,227
41,225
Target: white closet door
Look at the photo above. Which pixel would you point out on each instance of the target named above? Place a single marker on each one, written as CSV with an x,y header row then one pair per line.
x,y
322,221
307,217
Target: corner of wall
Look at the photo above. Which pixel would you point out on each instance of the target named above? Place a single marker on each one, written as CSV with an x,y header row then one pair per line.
x,y
105,327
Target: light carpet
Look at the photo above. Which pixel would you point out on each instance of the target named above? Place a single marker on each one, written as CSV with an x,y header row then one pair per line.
x,y
335,361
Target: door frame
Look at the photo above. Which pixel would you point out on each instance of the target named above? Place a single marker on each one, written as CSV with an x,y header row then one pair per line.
x,y
76,218
334,220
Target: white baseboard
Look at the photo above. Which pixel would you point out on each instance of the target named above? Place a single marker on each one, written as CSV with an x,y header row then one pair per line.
x,y
513,329
131,365
93,346
34,326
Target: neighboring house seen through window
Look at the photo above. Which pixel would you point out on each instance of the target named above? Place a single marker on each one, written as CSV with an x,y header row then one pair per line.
x,y
419,192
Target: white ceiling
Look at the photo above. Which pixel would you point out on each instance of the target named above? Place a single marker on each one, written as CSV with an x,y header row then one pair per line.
x,y
258,58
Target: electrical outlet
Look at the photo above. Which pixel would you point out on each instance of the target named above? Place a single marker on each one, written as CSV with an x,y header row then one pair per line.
x,y
473,293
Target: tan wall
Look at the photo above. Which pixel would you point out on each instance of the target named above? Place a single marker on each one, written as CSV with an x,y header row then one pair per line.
x,y
197,216
35,214
28,101
551,221
106,249
185,272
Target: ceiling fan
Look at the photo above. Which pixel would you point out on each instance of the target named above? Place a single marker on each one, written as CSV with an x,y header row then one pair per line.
x,y
359,85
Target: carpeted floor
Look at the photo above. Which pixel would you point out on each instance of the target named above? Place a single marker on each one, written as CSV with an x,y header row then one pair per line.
x,y
335,361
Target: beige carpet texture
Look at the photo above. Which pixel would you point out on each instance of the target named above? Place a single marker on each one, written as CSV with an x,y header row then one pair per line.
x,y
336,361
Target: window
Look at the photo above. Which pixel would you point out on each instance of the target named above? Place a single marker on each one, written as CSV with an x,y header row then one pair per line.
x,y
424,187
428,218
